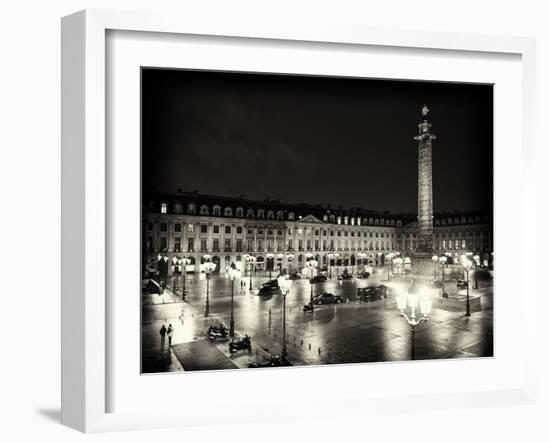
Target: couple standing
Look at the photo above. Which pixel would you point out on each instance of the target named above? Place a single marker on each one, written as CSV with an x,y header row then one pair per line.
x,y
163,333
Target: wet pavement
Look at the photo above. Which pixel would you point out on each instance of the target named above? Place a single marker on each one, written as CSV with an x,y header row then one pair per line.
x,y
350,332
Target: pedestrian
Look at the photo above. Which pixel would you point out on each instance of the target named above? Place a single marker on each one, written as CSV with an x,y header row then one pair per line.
x,y
162,337
170,333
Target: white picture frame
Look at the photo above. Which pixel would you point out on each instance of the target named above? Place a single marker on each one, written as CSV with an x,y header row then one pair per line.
x,y
85,214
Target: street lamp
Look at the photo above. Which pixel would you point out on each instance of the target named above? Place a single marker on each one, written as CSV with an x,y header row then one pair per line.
x,y
443,261
312,265
289,258
477,262
270,256
411,298
435,260
280,257
467,265
184,263
208,267
233,273
284,284
250,260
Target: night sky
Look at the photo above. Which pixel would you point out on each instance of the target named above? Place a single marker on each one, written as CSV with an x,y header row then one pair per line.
x,y
337,141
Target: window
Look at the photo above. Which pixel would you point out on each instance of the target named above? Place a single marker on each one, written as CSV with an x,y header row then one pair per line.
x,y
308,231
332,233
352,233
300,245
228,229
290,231
463,243
190,228
316,244
204,210
240,212
216,229
443,244
250,213
316,233
300,231
204,228
191,209
228,212
260,213
339,233
325,218
289,244
177,227
163,227
239,245
309,244
260,245
346,233
163,244
345,220
190,245
339,220
260,231
331,218
216,210
291,216
239,230
163,207
203,245
457,245
279,232
269,232
270,214
280,214
227,245
249,245
216,245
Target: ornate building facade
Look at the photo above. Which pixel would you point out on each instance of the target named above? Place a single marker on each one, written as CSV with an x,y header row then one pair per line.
x,y
282,235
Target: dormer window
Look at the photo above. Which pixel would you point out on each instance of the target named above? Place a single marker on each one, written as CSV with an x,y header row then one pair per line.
x,y
280,214
250,213
260,213
191,209
270,214
204,210
163,208
291,216
240,212
228,212
217,210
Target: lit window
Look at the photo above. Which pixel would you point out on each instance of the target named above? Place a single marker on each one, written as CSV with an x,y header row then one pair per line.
x,y
163,207
190,228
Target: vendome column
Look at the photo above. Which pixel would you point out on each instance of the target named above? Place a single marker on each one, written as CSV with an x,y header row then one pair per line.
x,y
424,249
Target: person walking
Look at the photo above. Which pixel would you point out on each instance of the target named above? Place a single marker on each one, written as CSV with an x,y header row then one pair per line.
x,y
170,333
162,337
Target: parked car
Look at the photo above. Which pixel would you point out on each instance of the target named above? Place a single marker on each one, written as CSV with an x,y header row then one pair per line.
x,y
363,275
318,278
461,284
374,293
327,298
345,276
269,288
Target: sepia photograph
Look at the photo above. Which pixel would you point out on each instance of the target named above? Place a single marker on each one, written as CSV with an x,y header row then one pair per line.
x,y
296,220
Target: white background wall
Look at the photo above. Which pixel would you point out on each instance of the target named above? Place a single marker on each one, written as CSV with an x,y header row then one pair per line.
x,y
30,221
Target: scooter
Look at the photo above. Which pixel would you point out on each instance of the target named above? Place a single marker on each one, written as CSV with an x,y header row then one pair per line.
x,y
217,332
243,344
274,361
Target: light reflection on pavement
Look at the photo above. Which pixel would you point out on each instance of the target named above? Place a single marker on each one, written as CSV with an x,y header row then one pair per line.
x,y
344,333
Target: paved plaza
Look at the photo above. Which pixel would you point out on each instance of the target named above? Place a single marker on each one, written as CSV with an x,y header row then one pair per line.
x,y
349,332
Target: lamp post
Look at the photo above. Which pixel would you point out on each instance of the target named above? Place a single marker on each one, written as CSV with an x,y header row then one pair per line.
x,y
280,257
250,260
184,262
477,262
162,267
270,256
330,256
312,265
208,266
435,260
411,298
233,273
467,265
443,261
289,258
284,284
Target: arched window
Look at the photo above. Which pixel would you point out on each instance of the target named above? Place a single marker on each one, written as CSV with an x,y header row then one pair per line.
x,y
370,221
270,214
216,210
228,211
393,222
204,210
191,209
376,222
280,214
332,219
291,216
399,223
358,221
250,213
260,213
339,220
352,220
240,212
178,208
325,218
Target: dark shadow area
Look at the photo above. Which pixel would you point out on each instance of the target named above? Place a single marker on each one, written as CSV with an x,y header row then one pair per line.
x,y
51,414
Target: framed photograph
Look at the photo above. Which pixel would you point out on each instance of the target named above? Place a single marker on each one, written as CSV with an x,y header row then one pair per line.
x,y
250,210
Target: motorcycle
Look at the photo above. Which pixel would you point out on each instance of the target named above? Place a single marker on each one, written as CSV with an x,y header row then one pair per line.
x,y
243,344
274,361
216,332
